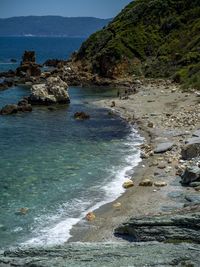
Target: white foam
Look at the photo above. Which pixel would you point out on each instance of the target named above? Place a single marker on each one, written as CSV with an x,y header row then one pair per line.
x,y
59,233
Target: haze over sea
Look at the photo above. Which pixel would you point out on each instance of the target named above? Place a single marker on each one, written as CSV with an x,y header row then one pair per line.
x,y
57,167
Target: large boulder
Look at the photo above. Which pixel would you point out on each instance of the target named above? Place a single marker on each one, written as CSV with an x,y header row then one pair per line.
x,y
191,174
55,90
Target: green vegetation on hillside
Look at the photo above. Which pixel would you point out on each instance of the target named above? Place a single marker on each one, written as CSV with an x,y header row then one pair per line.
x,y
152,38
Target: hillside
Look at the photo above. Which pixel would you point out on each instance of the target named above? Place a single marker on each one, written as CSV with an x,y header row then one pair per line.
x,y
51,26
152,38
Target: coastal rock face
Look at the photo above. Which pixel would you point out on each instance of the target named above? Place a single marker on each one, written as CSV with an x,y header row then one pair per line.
x,y
28,66
55,90
182,227
105,254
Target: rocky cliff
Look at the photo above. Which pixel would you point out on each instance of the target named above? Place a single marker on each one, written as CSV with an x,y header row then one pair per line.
x,y
152,38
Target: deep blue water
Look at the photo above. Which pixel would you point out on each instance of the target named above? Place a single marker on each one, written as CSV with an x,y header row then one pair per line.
x,y
45,48
57,167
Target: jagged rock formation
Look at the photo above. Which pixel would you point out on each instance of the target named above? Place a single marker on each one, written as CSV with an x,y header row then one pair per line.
x,y
28,66
183,226
154,38
55,90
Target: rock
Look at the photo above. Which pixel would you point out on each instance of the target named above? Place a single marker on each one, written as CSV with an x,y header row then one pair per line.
x,y
163,147
191,150
195,199
23,102
13,60
117,204
90,216
161,166
81,116
195,184
150,125
128,184
197,133
9,109
175,226
160,184
25,108
112,113
28,66
104,254
52,62
55,90
146,182
191,174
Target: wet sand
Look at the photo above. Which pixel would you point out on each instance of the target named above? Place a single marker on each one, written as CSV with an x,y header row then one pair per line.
x,y
160,112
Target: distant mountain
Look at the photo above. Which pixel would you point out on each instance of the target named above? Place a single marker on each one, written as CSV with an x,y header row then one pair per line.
x,y
51,26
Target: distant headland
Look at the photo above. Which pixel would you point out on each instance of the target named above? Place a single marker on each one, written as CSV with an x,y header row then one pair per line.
x,y
54,26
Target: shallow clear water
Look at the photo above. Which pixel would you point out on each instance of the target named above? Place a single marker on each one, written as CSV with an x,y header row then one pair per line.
x,y
55,166
59,168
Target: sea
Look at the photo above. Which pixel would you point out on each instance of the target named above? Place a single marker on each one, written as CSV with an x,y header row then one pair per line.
x,y
55,167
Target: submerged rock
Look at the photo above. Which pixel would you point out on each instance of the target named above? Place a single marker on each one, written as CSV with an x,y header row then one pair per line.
x,y
81,116
9,109
55,90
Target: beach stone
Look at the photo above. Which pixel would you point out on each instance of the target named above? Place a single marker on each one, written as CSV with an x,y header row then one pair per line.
x,y
195,184
112,113
25,108
191,150
146,182
128,184
160,184
191,174
81,116
197,133
55,90
150,125
163,147
161,166
90,216
117,204
9,109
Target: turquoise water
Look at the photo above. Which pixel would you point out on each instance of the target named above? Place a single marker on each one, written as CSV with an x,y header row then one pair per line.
x,y
57,167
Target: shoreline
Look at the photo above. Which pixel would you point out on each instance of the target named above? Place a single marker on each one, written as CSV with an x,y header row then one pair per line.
x,y
150,118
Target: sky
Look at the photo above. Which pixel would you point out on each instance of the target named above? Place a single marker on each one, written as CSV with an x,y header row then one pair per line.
x,y
65,8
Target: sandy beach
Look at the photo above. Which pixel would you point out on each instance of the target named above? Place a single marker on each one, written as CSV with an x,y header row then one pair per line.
x,y
162,113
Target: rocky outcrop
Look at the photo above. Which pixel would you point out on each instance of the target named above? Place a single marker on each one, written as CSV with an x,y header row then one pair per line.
x,y
23,106
182,226
105,254
28,66
54,91
53,62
